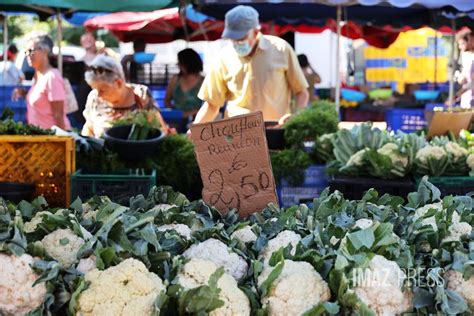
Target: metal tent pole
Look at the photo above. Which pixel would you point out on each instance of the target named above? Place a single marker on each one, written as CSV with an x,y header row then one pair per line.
x,y
60,39
338,59
452,64
5,46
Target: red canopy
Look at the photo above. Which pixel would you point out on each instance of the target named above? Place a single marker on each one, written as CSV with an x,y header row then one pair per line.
x,y
159,26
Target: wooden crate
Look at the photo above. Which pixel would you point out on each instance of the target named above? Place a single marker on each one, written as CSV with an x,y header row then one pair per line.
x,y
46,161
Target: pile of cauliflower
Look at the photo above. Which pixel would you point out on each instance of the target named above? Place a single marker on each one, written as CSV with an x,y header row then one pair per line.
x,y
166,258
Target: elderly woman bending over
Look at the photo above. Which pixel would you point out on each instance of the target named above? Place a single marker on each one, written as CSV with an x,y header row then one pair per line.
x,y
112,98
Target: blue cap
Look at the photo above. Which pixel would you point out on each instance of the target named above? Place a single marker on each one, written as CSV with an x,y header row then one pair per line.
x,y
239,21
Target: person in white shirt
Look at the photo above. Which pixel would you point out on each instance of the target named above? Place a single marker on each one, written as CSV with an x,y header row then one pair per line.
x,y
10,75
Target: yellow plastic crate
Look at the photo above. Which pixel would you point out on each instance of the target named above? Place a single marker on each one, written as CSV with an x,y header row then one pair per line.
x,y
45,161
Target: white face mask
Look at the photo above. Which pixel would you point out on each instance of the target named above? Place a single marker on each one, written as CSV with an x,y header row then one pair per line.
x,y
242,48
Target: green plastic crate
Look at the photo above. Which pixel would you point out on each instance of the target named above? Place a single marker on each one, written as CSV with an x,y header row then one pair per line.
x,y
119,187
451,185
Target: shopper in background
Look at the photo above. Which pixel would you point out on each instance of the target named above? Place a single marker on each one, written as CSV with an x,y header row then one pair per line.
x,y
183,88
130,67
466,79
311,76
46,106
256,73
88,43
10,75
112,98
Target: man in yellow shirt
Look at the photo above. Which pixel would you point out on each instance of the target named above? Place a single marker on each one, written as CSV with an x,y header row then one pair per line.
x,y
256,73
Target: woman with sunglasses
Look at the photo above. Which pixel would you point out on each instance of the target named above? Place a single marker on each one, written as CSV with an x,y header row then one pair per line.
x,y
112,98
46,98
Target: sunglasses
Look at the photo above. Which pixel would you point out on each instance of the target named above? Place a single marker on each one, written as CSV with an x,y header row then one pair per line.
x,y
98,70
31,51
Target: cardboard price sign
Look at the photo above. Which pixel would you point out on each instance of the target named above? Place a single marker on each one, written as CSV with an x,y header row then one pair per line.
x,y
234,163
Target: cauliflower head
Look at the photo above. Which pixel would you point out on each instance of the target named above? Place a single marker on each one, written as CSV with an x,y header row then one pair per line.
x,y
197,272
430,152
244,234
391,150
298,288
63,245
125,289
380,287
217,252
357,159
181,229
457,229
470,161
363,223
422,211
455,150
31,226
465,288
87,264
283,239
18,296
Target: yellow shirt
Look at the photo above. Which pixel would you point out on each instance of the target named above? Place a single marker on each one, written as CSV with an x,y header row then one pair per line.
x,y
263,82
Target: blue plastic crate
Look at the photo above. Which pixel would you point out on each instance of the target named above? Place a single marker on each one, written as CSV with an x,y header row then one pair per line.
x,y
406,120
315,182
171,115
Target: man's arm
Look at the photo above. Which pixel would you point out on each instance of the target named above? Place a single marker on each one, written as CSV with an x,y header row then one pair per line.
x,y
302,99
206,113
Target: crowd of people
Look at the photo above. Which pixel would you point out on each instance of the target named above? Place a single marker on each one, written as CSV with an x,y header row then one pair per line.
x,y
255,72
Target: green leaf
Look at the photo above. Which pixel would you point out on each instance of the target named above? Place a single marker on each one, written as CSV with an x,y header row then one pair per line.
x,y
64,241
267,284
362,238
82,285
323,308
203,299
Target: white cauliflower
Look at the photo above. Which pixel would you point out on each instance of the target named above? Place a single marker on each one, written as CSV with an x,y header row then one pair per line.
x,y
392,151
465,288
163,207
380,287
363,223
197,272
456,151
87,264
298,288
457,229
244,234
18,296
422,211
125,289
433,152
470,161
31,226
216,251
357,159
88,212
63,245
181,229
283,239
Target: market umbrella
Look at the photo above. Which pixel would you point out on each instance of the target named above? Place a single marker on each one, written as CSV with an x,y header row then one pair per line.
x,y
46,8
160,26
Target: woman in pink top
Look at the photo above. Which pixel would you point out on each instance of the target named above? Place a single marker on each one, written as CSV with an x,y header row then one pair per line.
x,y
45,100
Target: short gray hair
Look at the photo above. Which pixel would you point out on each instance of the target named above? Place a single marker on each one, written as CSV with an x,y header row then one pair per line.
x,y
44,42
115,70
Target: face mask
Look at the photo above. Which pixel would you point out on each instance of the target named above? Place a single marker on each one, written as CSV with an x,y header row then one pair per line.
x,y
242,49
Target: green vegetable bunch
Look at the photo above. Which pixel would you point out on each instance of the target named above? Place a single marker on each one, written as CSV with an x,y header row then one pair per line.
x,y
337,257
143,124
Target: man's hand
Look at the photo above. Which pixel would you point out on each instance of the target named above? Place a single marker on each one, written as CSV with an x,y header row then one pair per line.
x,y
282,121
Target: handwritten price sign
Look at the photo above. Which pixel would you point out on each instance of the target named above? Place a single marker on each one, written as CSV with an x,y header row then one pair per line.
x,y
234,163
